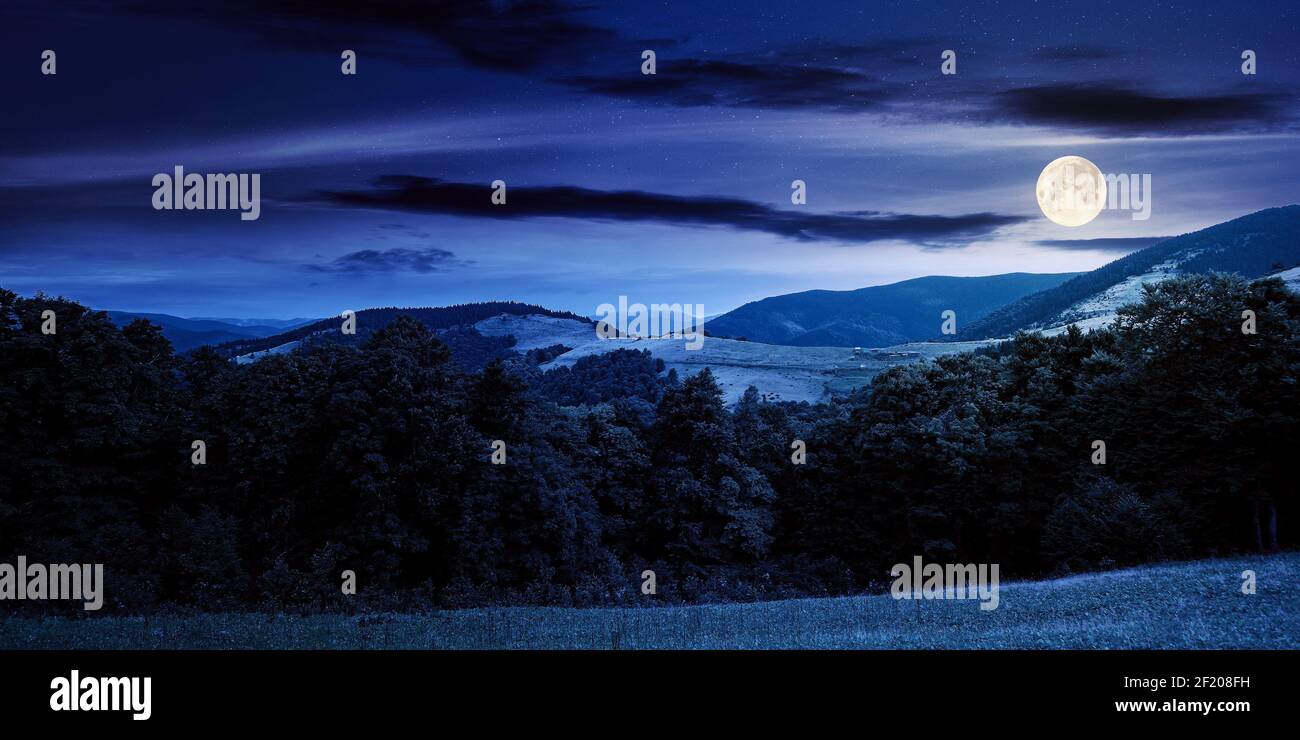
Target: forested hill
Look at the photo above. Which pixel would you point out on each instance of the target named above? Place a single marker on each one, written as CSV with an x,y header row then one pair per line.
x,y
1251,246
876,316
372,319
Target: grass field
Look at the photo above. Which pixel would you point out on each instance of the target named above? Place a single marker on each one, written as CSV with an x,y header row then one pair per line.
x,y
1181,605
788,373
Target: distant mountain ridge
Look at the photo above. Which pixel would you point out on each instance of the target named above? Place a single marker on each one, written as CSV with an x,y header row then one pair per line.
x,y
281,324
1252,246
987,307
877,316
187,334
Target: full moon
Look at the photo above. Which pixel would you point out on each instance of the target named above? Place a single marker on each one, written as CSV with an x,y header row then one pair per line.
x,y
1071,191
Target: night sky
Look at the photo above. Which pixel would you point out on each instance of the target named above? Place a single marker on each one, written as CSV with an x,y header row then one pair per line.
x,y
666,188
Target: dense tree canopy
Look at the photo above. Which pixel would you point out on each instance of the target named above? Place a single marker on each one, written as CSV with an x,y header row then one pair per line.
x,y
377,457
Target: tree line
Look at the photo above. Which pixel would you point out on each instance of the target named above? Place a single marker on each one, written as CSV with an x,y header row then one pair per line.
x,y
376,458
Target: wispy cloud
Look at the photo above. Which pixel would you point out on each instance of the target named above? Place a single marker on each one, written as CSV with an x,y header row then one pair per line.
x,y
1122,245
511,36
771,84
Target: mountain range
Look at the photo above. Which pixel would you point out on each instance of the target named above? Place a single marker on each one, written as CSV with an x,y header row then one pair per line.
x,y
990,307
186,334
997,306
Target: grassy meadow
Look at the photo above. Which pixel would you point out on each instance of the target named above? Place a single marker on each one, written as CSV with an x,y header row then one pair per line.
x,y
1194,605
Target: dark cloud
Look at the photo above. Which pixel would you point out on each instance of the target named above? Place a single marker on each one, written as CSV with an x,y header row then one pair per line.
x,y
772,84
429,195
894,76
512,35
1121,110
815,74
397,259
885,78
810,74
1106,244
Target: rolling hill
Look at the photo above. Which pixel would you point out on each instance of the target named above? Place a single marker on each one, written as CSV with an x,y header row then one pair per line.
x,y
780,373
877,316
1251,246
372,319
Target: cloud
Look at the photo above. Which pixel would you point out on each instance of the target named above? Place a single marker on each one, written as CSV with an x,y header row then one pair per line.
x,y
398,259
510,35
429,195
720,82
1105,244
1121,110
812,74
883,79
888,78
